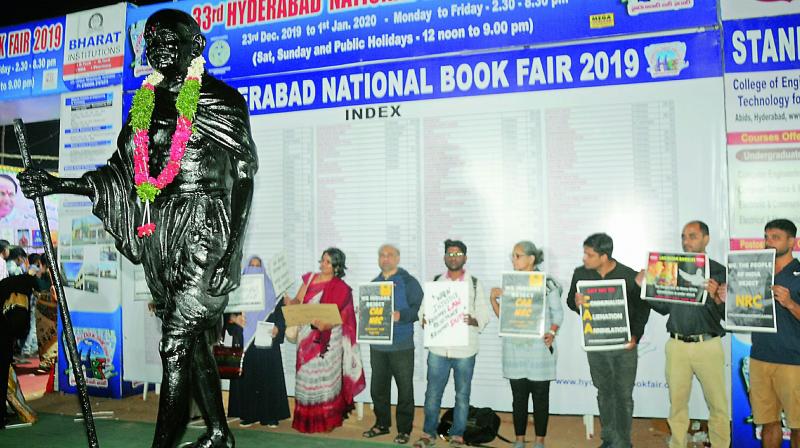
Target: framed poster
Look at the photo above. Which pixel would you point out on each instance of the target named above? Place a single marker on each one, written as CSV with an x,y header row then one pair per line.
x,y
523,305
750,305
604,318
676,277
375,308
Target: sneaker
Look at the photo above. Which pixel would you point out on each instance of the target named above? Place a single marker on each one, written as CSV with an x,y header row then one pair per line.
x,y
538,445
518,444
245,424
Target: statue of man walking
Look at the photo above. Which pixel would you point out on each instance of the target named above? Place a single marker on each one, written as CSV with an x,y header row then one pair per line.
x,y
176,197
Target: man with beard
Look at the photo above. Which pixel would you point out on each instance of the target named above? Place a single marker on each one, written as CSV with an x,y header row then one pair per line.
x,y
775,357
460,359
191,217
695,349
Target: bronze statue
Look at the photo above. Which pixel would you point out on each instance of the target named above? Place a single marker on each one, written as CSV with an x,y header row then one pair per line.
x,y
186,225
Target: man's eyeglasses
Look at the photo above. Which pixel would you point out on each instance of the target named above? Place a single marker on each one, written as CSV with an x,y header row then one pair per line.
x,y
454,254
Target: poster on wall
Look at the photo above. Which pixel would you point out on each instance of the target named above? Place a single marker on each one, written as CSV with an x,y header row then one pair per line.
x,y
676,277
762,95
604,317
94,47
523,305
749,305
375,310
18,223
445,307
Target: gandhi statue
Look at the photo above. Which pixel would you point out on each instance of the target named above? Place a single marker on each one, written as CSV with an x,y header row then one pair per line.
x,y
186,225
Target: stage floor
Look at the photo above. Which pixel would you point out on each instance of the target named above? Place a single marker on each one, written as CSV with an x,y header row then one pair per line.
x,y
133,418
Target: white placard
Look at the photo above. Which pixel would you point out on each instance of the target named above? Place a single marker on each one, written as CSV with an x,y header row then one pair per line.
x,y
278,269
249,296
446,304
264,334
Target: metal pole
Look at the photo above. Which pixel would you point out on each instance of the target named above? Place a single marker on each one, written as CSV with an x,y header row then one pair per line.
x,y
66,321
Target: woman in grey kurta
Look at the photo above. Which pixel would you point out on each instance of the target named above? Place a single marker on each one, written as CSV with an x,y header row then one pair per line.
x,y
530,364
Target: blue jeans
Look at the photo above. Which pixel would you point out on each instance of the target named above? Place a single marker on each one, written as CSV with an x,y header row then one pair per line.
x,y
438,374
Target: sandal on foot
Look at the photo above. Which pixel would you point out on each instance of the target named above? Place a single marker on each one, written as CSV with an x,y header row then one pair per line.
x,y
375,431
401,439
425,442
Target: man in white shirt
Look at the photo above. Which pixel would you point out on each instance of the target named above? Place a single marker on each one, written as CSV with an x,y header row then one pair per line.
x,y
461,359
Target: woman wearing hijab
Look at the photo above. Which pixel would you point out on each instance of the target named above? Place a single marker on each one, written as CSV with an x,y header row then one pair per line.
x,y
259,395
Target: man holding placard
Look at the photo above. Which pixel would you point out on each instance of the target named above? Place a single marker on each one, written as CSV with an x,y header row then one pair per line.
x,y
397,359
613,371
695,349
775,357
444,309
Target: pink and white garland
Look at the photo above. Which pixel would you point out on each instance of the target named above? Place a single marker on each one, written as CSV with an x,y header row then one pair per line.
x,y
147,187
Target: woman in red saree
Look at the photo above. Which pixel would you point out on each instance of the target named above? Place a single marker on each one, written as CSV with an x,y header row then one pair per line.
x,y
329,370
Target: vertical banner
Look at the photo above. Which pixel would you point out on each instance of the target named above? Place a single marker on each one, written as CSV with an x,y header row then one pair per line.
x,y
95,47
375,309
523,305
749,305
676,277
604,317
446,304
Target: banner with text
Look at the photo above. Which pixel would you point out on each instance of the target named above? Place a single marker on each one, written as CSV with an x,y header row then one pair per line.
x,y
375,309
676,278
250,38
762,99
749,305
80,51
523,305
604,317
632,61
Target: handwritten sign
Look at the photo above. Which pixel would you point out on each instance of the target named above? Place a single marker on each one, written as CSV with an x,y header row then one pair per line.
x,y
604,318
249,296
676,277
375,308
446,304
278,269
749,305
523,305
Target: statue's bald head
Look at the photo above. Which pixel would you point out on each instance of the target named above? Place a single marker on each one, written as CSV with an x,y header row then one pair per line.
x,y
175,19
173,39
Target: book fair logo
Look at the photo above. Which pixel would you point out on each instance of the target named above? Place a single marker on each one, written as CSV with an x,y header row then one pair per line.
x,y
666,59
96,351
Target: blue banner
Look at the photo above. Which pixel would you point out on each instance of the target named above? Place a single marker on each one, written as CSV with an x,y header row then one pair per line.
x,y
256,37
31,58
762,44
634,61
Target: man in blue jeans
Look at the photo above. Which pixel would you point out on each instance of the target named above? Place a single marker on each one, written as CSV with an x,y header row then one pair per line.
x,y
460,359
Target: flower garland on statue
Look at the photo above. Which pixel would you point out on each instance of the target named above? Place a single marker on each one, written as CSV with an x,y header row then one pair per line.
x,y
147,187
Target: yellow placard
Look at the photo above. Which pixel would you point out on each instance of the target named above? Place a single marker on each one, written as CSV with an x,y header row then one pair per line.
x,y
309,312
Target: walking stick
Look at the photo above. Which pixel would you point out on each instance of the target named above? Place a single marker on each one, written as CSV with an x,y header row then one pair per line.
x,y
69,334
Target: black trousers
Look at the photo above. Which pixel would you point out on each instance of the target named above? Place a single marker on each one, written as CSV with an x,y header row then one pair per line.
x,y
400,365
523,388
